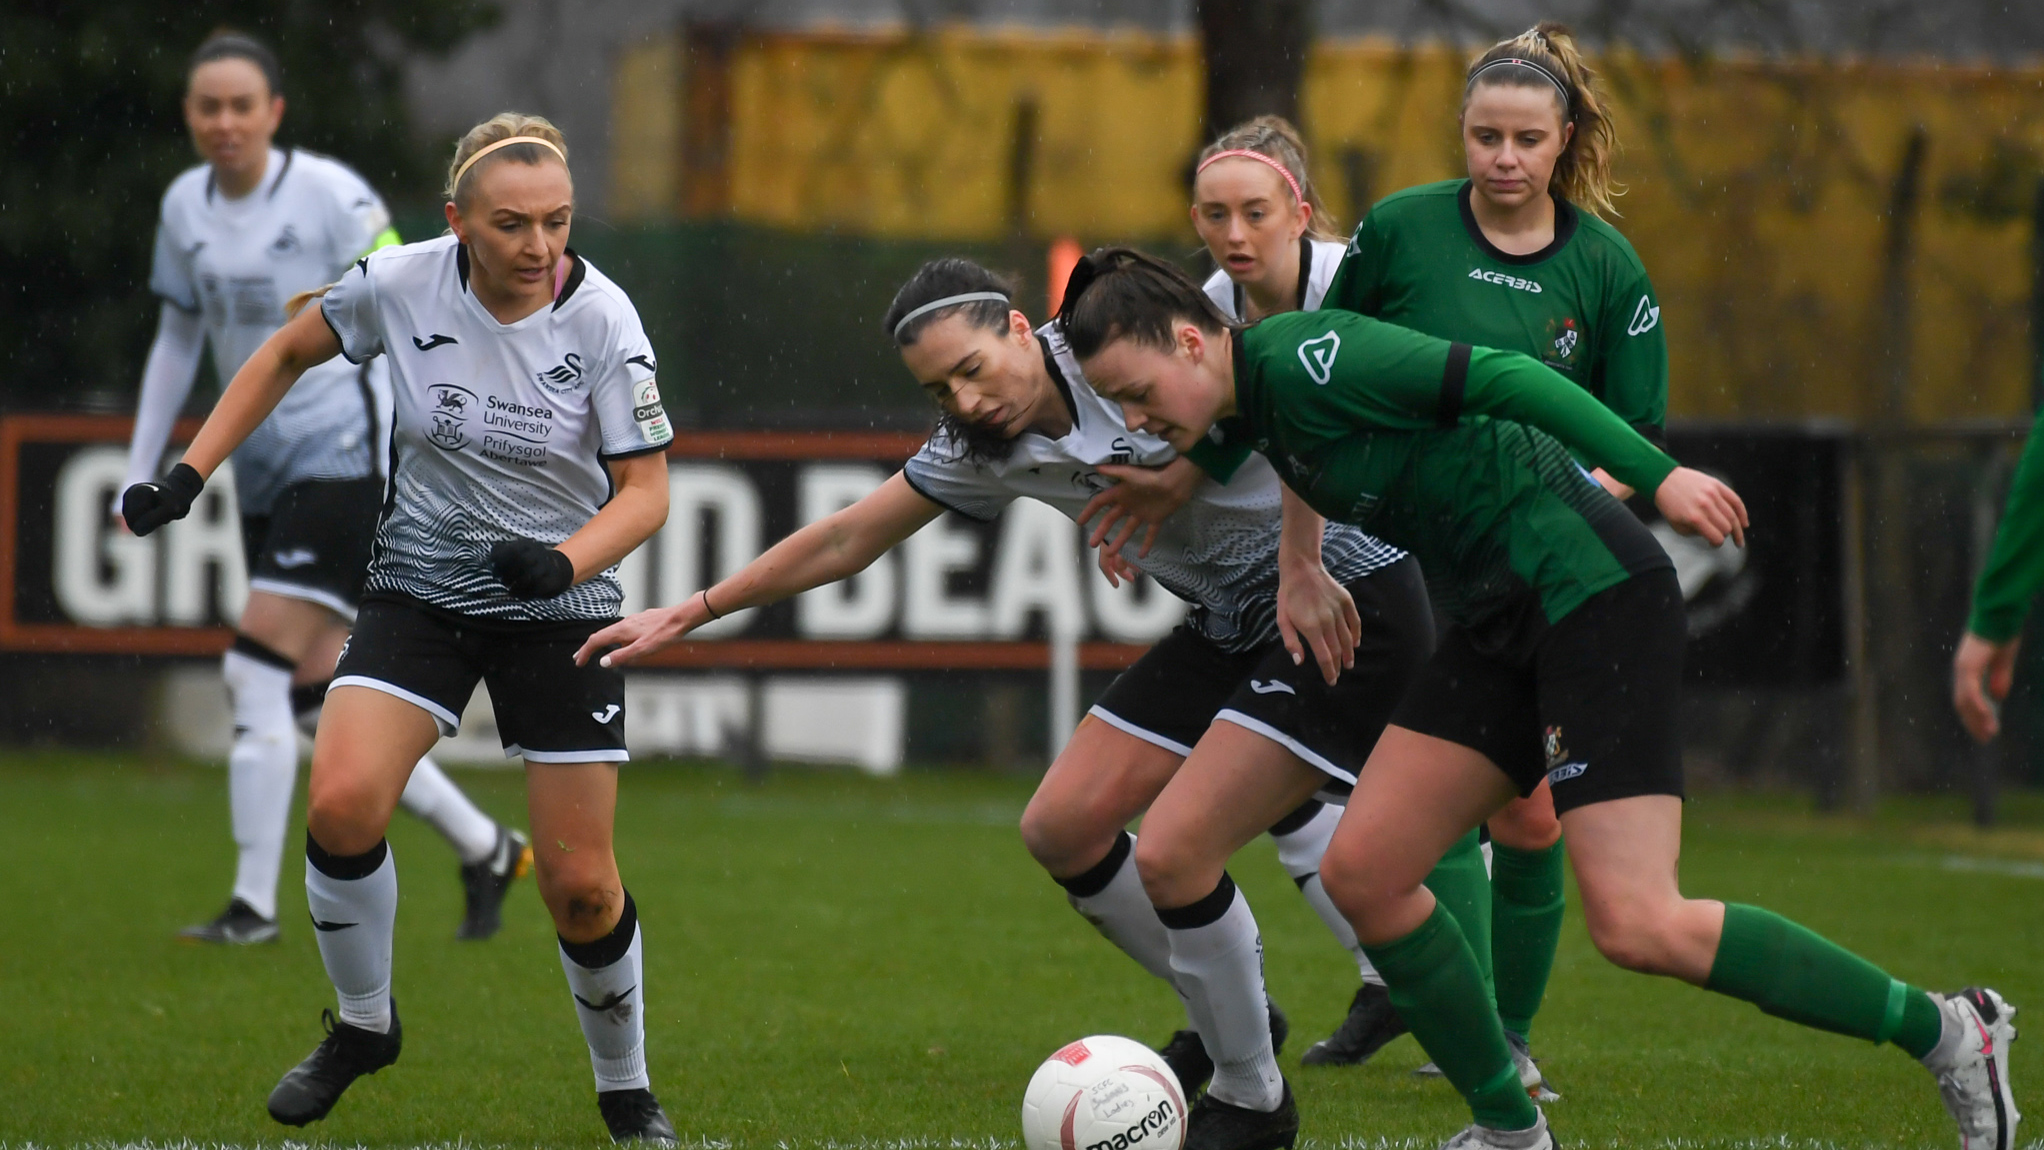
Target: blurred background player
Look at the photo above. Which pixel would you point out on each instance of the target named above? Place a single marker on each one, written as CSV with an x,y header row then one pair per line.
x,y
239,235
1984,667
1517,256
495,558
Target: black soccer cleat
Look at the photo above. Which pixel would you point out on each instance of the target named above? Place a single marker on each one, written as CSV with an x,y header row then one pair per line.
x,y
1218,1125
309,1090
238,925
486,883
635,1116
1372,1021
1187,1056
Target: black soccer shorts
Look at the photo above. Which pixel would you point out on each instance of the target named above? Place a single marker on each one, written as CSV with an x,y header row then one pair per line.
x,y
315,542
548,709
1185,683
1591,707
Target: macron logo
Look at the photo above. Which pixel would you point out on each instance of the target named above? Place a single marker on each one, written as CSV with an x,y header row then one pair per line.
x,y
1644,317
1318,355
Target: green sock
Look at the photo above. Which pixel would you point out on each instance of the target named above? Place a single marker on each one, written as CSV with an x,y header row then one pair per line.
x,y
1525,919
1461,885
1793,973
1434,982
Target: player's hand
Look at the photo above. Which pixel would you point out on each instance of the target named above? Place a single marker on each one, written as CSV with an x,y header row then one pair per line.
x,y
530,569
1315,611
1696,504
643,634
147,506
1142,497
1982,662
1117,568
1609,482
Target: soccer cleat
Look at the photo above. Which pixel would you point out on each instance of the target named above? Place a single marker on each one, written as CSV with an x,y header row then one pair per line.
x,y
485,883
635,1116
238,925
309,1090
1187,1056
1371,1022
1529,1071
1536,1137
1972,1065
1218,1125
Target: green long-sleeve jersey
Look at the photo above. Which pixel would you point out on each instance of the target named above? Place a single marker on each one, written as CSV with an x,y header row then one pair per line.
x,y
2015,567
1459,455
1582,305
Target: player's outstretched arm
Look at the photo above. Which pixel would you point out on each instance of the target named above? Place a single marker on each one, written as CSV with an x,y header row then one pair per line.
x,y
835,547
304,341
1314,611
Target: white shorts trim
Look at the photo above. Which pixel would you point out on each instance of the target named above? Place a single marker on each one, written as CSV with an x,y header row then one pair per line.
x,y
619,755
1126,727
1231,715
326,599
450,723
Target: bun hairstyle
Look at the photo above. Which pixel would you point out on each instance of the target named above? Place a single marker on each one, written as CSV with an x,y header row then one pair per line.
x,y
1275,137
502,126
1545,56
1121,293
228,44
941,279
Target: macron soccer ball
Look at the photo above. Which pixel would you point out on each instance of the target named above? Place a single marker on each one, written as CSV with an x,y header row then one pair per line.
x,y
1104,1093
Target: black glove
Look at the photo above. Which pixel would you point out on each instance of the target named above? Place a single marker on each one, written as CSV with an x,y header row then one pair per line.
x,y
530,569
147,506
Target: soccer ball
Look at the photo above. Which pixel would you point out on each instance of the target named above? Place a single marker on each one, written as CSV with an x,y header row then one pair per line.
x,y
1104,1093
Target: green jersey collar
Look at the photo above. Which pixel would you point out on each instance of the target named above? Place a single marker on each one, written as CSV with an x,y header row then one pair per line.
x,y
1565,222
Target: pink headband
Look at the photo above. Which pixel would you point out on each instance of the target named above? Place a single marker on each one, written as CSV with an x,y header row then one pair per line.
x,y
1298,197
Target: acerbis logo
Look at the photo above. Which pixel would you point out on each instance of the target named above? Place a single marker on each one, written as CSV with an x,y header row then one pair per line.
x,y
1491,277
1565,772
1318,355
1644,317
1159,1119
564,376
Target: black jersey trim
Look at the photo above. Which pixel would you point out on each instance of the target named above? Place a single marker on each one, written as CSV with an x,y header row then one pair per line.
x,y
578,271
337,336
918,488
1305,281
1454,385
634,453
461,264
368,409
1057,376
1565,223
289,154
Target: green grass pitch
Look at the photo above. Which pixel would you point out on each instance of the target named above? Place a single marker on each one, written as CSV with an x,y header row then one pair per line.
x,y
842,962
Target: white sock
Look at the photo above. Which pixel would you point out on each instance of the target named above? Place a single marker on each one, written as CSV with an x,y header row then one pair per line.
x,y
1299,849
610,1002
1217,956
353,900
1111,897
433,797
261,769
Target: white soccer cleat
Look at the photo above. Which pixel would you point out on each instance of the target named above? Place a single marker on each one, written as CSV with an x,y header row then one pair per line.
x,y
1529,1072
1484,1138
1972,1066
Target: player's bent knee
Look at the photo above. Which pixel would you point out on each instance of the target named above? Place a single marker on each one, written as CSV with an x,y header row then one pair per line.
x,y
583,907
1173,873
1633,936
1523,826
1063,840
345,816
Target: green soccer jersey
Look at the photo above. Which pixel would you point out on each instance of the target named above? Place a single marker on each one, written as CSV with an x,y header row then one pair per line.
x,y
1459,455
2015,568
1582,305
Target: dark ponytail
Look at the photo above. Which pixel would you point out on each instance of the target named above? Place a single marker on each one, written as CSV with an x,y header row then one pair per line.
x,y
1121,293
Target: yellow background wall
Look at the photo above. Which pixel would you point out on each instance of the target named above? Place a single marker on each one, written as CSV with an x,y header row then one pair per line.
x,y
1758,193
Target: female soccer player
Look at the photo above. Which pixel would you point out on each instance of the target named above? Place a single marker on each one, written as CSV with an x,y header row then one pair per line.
x,y
1517,257
1562,662
239,235
528,458
1236,725
1984,666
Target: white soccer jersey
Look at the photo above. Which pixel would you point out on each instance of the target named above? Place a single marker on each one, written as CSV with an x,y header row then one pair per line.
x,y
236,263
501,430
1318,261
1218,552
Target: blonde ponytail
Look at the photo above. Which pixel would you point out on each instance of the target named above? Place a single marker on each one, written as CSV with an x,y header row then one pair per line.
x,y
1276,138
297,303
500,127
1582,175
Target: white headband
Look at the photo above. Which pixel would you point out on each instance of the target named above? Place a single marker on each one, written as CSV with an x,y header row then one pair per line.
x,y
947,301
